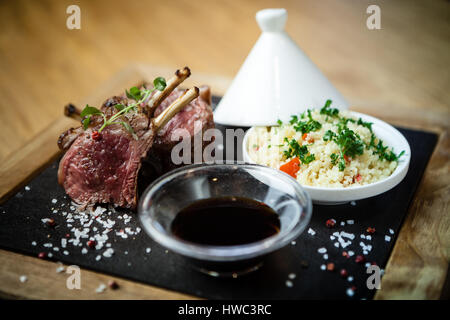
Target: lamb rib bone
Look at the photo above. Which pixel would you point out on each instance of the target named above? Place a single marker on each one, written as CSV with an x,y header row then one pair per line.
x,y
175,107
171,84
72,111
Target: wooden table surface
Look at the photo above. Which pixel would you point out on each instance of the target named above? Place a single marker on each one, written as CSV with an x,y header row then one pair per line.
x,y
399,73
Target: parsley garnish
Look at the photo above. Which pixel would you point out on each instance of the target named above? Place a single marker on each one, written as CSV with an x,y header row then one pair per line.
x,y
295,150
383,152
305,126
332,112
349,143
134,93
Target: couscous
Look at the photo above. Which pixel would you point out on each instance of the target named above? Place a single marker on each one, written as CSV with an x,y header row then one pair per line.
x,y
324,148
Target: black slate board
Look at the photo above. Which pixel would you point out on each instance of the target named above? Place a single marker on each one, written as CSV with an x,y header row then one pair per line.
x,y
21,225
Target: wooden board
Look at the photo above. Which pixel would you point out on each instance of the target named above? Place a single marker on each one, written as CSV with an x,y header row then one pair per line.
x,y
417,268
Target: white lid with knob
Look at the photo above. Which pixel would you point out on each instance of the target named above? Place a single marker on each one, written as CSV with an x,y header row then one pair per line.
x,y
277,80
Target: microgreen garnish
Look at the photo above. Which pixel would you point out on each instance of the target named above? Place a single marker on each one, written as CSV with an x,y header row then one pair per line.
x,y
136,94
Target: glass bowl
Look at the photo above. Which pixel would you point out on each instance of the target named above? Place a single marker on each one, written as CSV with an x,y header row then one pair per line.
x,y
172,192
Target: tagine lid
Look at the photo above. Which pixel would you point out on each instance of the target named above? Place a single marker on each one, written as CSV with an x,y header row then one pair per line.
x,y
277,80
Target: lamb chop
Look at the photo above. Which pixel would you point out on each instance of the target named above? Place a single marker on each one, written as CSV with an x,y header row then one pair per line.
x,y
103,167
158,160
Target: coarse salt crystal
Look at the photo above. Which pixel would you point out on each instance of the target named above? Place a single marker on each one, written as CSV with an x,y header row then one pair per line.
x,y
347,235
101,288
350,279
66,253
391,231
350,221
311,231
293,243
33,243
350,253
344,243
27,188
23,279
48,245
387,238
363,236
54,201
97,258
353,203
325,256
60,269
292,276
323,267
342,223
289,284
350,292
322,250
55,249
336,244
148,250
108,253
84,251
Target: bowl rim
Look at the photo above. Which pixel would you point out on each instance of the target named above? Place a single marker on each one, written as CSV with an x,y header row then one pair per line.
x,y
224,253
365,191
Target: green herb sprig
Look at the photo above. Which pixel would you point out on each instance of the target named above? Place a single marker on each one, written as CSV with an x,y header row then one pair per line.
x,y
332,112
134,93
295,150
305,126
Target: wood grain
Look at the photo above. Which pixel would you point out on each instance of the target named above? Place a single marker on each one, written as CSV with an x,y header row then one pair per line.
x,y
44,65
43,282
416,269
399,74
418,266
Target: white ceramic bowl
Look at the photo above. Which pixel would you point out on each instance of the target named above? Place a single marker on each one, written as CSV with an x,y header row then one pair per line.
x,y
390,136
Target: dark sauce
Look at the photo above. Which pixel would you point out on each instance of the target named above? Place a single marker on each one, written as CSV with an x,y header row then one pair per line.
x,y
226,221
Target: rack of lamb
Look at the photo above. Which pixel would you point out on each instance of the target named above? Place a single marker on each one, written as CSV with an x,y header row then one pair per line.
x,y
129,136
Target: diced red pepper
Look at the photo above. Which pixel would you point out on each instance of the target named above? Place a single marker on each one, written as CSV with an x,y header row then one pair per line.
x,y
358,178
307,137
347,158
291,168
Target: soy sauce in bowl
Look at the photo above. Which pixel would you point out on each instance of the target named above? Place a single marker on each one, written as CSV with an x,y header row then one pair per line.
x,y
225,221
